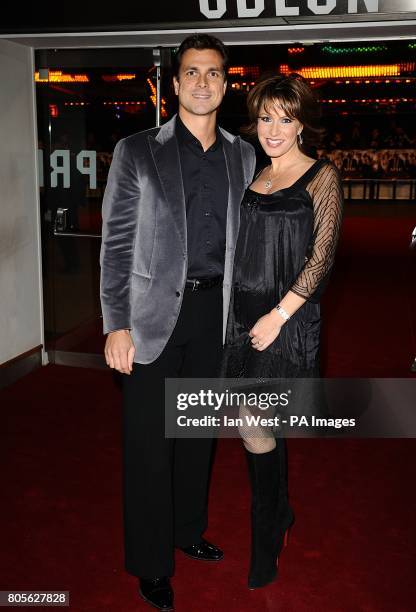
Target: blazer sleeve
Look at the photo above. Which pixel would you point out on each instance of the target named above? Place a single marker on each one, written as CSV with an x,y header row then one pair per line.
x,y
119,213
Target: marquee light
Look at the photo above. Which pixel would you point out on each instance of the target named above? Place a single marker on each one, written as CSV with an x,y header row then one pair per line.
x,y
253,71
336,72
367,100
241,70
76,104
295,50
361,49
243,86
57,76
373,82
127,103
113,78
163,110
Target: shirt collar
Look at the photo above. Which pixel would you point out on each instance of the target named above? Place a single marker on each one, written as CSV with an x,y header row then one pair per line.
x,y
184,136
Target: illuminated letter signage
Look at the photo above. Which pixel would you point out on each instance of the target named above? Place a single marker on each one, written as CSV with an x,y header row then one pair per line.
x,y
216,9
244,11
210,13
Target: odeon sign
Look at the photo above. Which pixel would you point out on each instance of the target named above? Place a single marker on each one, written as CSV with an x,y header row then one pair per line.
x,y
216,9
195,14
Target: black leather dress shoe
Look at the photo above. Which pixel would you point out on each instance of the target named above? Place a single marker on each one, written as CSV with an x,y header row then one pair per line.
x,y
203,551
157,592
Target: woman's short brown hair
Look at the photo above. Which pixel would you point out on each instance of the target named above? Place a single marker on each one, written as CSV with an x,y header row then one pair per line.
x,y
295,97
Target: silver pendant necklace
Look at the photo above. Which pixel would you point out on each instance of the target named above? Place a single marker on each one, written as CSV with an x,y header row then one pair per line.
x,y
269,181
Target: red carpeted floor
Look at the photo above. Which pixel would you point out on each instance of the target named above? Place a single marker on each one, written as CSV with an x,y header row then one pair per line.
x,y
352,547
369,308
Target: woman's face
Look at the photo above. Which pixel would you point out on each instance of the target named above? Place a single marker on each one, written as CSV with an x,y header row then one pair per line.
x,y
276,131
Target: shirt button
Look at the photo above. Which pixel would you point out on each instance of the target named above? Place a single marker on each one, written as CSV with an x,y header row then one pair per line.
x,y
208,242
207,213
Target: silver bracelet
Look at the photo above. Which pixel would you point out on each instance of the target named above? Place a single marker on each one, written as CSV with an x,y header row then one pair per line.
x,y
282,312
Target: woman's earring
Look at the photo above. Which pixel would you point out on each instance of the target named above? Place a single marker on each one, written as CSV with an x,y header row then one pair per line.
x,y
300,138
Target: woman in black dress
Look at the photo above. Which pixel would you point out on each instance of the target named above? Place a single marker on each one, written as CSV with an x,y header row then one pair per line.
x,y
290,220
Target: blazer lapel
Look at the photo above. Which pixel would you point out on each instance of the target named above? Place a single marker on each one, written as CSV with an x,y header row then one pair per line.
x,y
164,148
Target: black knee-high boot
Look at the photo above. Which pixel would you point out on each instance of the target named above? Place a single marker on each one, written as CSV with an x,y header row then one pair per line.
x,y
271,514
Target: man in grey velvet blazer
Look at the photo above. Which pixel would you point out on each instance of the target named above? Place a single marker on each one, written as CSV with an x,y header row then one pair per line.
x,y
144,254
170,224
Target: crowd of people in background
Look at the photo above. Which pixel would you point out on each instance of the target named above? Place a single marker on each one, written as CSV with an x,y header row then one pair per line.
x,y
372,152
370,163
370,133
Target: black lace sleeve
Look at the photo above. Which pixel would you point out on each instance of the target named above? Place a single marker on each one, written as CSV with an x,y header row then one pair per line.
x,y
326,191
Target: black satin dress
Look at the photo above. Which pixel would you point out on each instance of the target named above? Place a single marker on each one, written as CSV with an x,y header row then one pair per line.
x,y
286,242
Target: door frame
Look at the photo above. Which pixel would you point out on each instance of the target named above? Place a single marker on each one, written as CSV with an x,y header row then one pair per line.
x,y
263,33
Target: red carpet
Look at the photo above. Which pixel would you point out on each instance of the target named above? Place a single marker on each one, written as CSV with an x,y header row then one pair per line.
x,y
369,309
351,549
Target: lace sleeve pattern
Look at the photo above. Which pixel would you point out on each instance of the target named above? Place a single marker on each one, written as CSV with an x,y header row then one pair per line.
x,y
326,192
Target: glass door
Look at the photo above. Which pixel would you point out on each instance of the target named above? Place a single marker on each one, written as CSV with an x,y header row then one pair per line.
x,y
86,101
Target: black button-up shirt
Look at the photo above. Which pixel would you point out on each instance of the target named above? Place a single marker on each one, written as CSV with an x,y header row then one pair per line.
x,y
205,182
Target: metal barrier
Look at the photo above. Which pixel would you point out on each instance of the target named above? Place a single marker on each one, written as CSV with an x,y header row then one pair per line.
x,y
380,189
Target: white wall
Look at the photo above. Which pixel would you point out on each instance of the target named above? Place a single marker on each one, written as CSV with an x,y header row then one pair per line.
x,y
21,327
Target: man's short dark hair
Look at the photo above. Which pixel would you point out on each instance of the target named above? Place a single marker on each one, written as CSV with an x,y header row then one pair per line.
x,y
200,42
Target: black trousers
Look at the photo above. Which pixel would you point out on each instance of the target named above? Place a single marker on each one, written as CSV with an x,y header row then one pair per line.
x,y
165,481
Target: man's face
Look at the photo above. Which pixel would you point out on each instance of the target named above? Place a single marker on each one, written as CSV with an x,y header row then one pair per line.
x,y
201,83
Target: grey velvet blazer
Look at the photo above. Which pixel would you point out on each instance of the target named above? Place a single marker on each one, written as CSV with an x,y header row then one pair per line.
x,y
144,244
